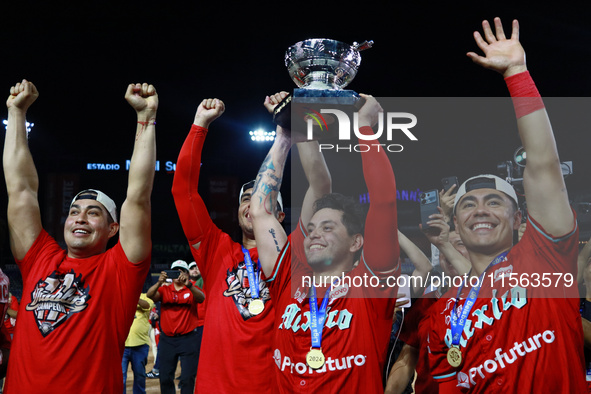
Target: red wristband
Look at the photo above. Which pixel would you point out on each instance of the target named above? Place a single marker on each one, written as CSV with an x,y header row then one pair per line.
x,y
525,95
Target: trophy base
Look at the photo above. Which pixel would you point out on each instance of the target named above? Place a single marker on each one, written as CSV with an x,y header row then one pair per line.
x,y
325,96
301,98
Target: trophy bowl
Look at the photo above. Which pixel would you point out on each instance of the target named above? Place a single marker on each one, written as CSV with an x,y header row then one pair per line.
x,y
321,63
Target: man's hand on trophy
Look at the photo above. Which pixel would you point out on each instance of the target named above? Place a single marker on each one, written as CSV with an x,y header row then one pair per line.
x,y
209,110
370,111
271,102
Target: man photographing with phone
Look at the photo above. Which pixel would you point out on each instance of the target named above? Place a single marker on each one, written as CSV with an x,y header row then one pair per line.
x,y
179,337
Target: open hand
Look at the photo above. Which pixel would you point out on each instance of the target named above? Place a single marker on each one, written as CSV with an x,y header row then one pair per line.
x,y
501,54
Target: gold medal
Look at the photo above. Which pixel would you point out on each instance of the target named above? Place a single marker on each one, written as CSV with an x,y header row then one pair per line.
x,y
256,306
315,358
454,356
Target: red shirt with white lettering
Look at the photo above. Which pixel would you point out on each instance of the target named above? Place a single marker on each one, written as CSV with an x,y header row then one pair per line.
x,y
515,339
355,335
73,312
178,310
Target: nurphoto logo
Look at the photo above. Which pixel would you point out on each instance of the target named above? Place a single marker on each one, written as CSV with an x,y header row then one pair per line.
x,y
393,122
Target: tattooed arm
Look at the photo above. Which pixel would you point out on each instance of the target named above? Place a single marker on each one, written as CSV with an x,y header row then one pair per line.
x,y
268,232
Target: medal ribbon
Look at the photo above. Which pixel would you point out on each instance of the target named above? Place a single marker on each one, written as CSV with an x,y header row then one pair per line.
x,y
253,277
458,323
317,316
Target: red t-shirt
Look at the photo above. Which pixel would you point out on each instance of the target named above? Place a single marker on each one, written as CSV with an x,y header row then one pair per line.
x,y
236,347
355,335
178,310
515,340
73,320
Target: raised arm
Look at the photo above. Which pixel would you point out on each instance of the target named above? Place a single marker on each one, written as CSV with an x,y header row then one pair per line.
x,y
153,292
313,164
189,204
381,250
135,222
317,174
419,260
268,232
545,191
198,294
22,181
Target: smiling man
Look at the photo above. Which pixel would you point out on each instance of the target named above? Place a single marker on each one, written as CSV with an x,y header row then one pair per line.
x,y
514,329
79,304
240,308
330,339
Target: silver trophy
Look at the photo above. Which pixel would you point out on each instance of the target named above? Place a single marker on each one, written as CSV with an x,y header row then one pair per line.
x,y
321,68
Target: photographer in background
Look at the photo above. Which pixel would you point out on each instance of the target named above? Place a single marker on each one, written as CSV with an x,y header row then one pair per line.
x,y
179,336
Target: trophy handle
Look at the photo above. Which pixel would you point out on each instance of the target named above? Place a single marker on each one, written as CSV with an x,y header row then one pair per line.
x,y
363,46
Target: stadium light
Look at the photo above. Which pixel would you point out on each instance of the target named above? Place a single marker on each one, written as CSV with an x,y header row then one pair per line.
x,y
262,136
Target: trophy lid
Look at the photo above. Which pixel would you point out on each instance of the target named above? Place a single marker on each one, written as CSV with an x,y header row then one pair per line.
x,y
322,63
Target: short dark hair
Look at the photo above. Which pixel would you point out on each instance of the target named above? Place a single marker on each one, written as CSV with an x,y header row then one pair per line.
x,y
353,213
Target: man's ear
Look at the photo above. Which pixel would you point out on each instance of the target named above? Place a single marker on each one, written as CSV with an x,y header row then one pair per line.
x,y
113,228
517,219
280,216
357,243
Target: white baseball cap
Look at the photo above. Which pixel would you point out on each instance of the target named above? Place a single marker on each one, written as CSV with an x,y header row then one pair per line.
x,y
486,181
192,264
93,194
180,264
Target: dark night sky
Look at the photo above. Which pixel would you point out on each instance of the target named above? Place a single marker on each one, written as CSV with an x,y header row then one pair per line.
x,y
82,55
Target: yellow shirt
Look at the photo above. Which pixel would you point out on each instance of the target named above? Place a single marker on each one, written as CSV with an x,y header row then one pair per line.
x,y
138,334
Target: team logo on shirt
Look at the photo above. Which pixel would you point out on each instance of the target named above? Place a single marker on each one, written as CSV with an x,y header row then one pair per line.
x,y
56,298
239,289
